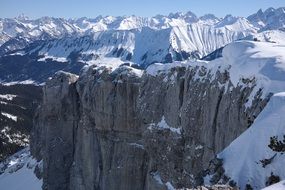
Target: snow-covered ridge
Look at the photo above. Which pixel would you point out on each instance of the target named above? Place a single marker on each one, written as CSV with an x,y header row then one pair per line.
x,y
19,32
175,37
264,61
261,62
56,27
112,65
141,46
273,36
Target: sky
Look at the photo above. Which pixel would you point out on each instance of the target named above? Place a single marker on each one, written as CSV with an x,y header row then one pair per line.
x,y
147,8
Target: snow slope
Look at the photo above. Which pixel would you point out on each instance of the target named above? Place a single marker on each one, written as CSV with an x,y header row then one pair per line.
x,y
261,61
277,186
273,36
17,172
242,158
58,27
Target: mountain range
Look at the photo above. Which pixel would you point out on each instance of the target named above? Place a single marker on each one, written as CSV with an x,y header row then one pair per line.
x,y
129,39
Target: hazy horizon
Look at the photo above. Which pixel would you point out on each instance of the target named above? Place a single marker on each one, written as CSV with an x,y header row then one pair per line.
x,y
147,8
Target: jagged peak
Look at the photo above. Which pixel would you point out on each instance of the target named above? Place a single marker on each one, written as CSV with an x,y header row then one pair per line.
x,y
229,17
177,15
22,17
269,10
260,11
208,17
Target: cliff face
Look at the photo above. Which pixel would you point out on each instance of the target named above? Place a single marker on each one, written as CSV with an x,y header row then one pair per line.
x,y
122,129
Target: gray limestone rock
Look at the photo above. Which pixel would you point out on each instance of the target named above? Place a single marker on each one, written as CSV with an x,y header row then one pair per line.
x,y
117,130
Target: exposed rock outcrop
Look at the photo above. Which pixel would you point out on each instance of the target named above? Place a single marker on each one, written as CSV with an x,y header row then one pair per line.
x,y
120,130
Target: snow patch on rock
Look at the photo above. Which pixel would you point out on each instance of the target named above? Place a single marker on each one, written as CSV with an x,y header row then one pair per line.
x,y
10,116
162,125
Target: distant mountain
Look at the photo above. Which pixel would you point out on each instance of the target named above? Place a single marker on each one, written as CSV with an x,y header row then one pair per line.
x,y
29,44
38,48
270,19
58,27
49,27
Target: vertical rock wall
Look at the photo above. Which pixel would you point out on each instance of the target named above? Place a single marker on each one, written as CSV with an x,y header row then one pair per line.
x,y
119,130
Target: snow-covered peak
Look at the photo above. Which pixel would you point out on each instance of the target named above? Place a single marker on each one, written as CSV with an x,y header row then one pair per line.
x,y
55,27
185,32
189,17
58,27
270,19
233,23
141,46
209,19
257,19
229,19
34,27
22,17
109,19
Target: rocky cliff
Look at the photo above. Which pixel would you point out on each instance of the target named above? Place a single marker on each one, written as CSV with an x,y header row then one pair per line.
x,y
124,129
